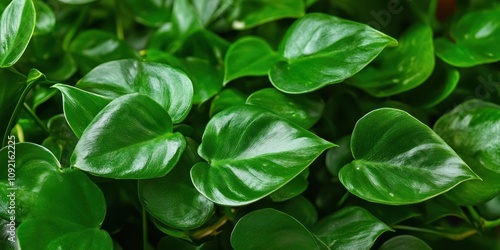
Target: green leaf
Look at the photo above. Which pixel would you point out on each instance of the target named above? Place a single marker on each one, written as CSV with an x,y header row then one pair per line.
x,y
405,242
17,25
293,188
303,110
337,157
249,56
93,47
61,141
168,86
299,208
350,228
438,87
172,199
146,147
77,1
206,79
470,39
320,50
53,190
250,13
12,86
399,160
473,130
149,12
226,98
399,69
271,229
45,18
80,106
255,151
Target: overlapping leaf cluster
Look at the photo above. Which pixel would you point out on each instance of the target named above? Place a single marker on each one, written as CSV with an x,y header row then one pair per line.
x,y
250,124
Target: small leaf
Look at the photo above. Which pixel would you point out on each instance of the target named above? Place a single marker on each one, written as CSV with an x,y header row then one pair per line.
x,y
399,69
80,106
320,50
146,148
303,110
170,87
172,199
470,40
249,56
405,242
93,47
17,25
250,13
399,160
350,228
255,151
271,229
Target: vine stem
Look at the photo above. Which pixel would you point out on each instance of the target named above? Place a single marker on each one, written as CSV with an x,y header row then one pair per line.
x,y
491,224
453,236
119,21
36,118
212,229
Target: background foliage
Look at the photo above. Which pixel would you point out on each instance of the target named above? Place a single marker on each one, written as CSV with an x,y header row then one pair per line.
x,y
250,124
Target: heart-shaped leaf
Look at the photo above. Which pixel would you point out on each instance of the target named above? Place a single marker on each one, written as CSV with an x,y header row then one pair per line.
x,y
255,151
470,39
271,229
146,147
80,106
170,87
399,69
41,188
249,56
320,50
172,199
303,110
350,228
399,160
17,25
250,13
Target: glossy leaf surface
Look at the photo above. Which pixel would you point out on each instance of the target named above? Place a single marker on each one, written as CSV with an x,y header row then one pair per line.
x,y
170,87
51,188
468,40
303,110
337,231
172,199
249,56
250,13
80,106
17,25
399,160
405,242
271,229
246,146
320,50
45,18
400,69
147,147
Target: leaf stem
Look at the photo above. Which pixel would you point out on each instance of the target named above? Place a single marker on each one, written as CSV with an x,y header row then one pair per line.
x,y
119,21
477,221
210,230
343,199
36,118
491,224
452,236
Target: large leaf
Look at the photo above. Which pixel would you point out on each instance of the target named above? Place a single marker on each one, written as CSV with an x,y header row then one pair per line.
x,y
350,228
250,13
303,110
17,25
271,229
145,147
93,47
255,151
170,87
399,160
249,56
172,199
43,188
470,40
400,69
80,106
473,130
320,50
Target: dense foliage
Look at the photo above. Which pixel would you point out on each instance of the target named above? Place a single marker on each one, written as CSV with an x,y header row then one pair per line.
x,y
250,124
